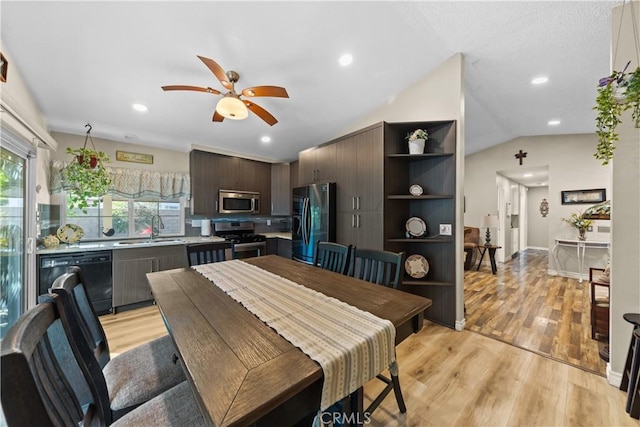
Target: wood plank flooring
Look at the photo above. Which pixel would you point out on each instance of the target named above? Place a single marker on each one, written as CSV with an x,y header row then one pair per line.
x,y
523,306
452,378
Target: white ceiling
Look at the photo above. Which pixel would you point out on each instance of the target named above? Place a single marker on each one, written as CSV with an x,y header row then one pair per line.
x,y
528,176
89,61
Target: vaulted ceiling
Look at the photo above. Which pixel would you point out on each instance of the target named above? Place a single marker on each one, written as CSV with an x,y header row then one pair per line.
x,y
90,61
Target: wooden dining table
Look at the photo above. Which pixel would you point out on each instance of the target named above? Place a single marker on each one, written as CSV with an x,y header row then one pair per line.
x,y
241,371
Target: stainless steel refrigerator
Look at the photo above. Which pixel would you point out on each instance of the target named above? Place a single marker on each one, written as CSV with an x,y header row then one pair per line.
x,y
313,219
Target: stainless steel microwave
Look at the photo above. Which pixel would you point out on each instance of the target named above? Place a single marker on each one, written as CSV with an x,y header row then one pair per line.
x,y
247,202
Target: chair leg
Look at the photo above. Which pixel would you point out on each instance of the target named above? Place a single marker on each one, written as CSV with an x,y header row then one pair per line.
x,y
393,369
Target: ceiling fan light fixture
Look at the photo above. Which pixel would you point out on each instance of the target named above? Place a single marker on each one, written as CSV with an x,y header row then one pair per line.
x,y
231,107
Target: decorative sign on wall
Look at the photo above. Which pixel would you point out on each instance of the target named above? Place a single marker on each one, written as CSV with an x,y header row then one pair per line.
x,y
574,197
125,156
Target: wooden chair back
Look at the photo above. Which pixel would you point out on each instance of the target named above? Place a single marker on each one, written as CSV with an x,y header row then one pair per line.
x,y
332,256
205,253
43,382
72,289
380,267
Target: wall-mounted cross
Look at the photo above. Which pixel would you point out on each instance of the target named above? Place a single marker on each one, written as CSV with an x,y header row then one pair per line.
x,y
520,155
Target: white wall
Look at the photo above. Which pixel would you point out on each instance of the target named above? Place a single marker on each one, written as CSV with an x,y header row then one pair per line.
x,y
625,209
571,167
538,227
439,96
163,160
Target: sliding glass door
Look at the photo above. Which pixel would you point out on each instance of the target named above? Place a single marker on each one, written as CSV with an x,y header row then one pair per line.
x,y
16,248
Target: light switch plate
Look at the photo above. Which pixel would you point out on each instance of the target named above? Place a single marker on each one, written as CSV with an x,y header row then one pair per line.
x,y
445,229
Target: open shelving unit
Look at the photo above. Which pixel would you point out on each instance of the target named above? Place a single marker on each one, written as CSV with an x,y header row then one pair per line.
x,y
435,172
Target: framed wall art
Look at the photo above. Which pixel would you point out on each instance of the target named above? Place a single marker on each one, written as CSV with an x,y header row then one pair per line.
x,y
584,197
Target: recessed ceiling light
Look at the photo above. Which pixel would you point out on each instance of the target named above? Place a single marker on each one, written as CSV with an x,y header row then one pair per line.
x,y
553,122
131,136
527,175
345,59
265,139
140,107
539,80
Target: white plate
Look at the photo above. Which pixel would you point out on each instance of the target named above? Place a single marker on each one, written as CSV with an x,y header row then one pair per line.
x,y
70,233
416,226
415,190
416,266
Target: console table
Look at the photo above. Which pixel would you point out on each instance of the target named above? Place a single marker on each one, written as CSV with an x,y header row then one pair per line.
x,y
581,247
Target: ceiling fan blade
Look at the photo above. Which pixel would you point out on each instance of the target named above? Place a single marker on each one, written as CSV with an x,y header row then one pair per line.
x,y
217,71
276,91
260,112
196,88
217,117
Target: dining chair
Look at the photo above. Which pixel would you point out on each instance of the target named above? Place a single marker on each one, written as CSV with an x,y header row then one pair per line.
x,y
133,377
205,253
45,382
382,268
332,256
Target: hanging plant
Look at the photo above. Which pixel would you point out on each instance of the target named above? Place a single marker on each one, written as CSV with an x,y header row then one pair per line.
x,y
86,177
616,94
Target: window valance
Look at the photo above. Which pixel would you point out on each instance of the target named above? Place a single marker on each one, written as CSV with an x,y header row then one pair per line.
x,y
133,183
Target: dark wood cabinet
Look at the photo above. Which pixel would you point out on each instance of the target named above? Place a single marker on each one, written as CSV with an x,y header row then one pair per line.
x,y
279,246
294,178
130,267
435,172
360,184
211,172
280,189
317,164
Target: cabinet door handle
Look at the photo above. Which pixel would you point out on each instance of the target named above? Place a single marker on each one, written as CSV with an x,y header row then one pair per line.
x,y
353,203
358,203
357,221
353,221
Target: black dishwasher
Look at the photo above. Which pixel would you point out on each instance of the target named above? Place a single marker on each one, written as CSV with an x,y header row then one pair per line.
x,y
96,269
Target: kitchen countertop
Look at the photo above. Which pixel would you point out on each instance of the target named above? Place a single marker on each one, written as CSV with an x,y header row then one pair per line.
x,y
114,244
280,234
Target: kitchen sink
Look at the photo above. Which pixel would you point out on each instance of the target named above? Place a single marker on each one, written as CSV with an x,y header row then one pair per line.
x,y
148,242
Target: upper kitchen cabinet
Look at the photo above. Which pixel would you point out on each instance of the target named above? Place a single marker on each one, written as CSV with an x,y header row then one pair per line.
x,y
280,189
211,172
317,164
203,167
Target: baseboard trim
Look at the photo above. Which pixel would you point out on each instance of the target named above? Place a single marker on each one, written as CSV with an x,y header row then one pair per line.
x,y
614,378
537,248
460,324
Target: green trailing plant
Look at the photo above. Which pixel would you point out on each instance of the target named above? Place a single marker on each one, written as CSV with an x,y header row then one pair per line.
x,y
616,94
86,178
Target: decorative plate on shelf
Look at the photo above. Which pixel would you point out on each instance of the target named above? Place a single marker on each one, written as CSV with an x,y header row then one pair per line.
x,y
415,190
416,227
70,233
416,266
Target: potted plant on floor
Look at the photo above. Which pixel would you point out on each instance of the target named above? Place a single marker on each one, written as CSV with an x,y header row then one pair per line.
x,y
617,93
86,176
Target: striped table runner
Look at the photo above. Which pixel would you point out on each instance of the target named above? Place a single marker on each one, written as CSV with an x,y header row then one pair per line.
x,y
351,345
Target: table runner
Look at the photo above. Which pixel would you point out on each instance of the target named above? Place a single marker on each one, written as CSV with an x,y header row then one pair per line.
x,y
351,345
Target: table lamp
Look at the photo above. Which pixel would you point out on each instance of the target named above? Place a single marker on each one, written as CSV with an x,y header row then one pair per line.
x,y
489,221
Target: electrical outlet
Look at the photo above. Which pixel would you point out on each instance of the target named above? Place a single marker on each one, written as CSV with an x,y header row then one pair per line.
x,y
269,223
445,229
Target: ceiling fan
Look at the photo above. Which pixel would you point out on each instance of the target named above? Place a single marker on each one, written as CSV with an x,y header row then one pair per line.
x,y
231,106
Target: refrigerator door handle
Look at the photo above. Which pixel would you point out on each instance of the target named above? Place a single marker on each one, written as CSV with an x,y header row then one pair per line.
x,y
306,218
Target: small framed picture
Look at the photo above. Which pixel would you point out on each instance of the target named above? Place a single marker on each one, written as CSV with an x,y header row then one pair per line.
x,y
584,197
4,65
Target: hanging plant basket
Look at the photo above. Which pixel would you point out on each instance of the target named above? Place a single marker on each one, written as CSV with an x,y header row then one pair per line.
x,y
85,177
616,94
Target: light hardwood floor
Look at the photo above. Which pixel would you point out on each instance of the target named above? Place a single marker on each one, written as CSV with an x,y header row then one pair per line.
x,y
523,306
452,378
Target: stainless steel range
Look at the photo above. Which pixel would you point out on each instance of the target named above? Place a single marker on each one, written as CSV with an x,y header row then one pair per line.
x,y
245,243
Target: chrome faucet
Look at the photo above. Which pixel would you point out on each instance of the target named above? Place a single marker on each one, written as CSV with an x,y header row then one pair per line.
x,y
155,231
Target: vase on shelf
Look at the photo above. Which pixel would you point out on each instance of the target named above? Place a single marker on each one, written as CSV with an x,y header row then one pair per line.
x,y
416,146
582,234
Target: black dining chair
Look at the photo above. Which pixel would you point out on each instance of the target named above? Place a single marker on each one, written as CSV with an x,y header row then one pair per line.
x,y
133,377
386,269
46,382
205,253
332,256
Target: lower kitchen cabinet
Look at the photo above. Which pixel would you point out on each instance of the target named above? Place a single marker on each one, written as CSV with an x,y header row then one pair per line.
x,y
279,246
130,267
